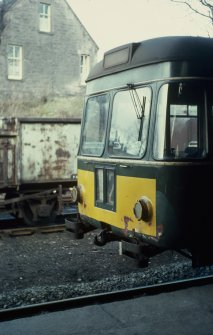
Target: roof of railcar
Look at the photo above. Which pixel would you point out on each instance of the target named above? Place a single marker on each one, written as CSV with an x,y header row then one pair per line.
x,y
156,50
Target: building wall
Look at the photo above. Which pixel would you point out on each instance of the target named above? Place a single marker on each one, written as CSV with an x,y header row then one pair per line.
x,y
51,61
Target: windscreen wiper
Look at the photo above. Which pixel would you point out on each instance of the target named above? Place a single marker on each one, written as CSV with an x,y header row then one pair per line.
x,y
138,106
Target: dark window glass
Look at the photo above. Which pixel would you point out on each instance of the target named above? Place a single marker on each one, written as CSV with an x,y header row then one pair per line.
x,y
105,188
110,187
100,185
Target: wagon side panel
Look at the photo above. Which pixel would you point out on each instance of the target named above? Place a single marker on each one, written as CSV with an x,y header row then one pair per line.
x,y
48,151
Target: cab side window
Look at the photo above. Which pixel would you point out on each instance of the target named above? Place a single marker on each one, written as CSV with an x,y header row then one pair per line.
x,y
94,130
180,129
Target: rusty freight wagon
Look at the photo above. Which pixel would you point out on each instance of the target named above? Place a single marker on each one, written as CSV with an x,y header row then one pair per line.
x,y
37,166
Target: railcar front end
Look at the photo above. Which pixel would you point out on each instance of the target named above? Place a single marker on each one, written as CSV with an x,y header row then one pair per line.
x,y
145,157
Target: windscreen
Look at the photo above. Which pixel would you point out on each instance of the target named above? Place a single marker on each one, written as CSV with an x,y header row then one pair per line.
x,y
130,121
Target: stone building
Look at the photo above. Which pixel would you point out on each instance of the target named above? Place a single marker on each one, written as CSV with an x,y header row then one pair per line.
x,y
45,56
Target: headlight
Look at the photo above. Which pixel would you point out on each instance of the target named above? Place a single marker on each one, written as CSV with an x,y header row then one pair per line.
x,y
143,209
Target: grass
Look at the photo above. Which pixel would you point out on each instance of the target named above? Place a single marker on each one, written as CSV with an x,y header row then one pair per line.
x,y
53,107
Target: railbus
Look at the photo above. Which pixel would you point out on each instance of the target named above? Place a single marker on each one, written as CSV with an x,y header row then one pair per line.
x,y
146,150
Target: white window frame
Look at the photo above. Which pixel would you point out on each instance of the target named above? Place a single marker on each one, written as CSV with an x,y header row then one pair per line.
x,y
15,62
84,67
45,17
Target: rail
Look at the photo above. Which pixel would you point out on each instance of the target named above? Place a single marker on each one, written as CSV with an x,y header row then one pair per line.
x,y
60,305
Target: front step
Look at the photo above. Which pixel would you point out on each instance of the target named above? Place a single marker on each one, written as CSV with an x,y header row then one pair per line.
x,y
135,251
75,226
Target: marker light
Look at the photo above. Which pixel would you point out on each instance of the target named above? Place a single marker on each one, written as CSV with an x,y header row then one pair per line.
x,y
77,194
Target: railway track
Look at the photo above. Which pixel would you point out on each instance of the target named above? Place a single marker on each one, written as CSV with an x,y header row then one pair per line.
x,y
60,305
24,231
11,228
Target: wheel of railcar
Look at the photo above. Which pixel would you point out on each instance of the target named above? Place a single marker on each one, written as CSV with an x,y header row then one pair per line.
x,y
39,211
10,196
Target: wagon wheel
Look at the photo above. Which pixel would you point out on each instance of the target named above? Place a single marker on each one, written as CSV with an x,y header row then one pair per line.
x,y
13,208
39,211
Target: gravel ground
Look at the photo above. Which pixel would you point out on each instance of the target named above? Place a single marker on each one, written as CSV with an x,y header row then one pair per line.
x,y
46,267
